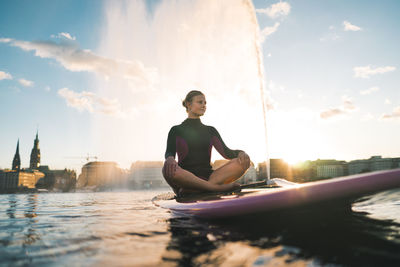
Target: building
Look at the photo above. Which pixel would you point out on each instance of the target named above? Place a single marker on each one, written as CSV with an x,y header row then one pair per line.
x,y
41,176
21,179
57,180
396,163
101,175
18,180
8,180
306,171
358,166
279,168
303,172
374,163
35,154
16,164
146,174
329,168
262,171
377,163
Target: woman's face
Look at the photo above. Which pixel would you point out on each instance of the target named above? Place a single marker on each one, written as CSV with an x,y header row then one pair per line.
x,y
198,105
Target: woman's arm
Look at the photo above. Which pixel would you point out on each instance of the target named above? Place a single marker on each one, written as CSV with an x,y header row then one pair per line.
x,y
171,143
220,146
228,153
170,163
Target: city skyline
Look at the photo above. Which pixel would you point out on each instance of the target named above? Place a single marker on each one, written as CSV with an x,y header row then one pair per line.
x,y
35,159
106,78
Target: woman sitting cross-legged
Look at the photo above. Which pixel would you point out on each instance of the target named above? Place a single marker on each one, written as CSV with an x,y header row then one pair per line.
x,y
193,141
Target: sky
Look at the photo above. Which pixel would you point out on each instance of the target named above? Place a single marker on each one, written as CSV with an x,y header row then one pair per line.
x,y
105,79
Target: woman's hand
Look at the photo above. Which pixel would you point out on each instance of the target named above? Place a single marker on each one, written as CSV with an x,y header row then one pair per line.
x,y
244,160
170,167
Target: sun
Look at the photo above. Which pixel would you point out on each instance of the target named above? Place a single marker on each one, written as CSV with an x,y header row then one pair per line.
x,y
293,159
294,139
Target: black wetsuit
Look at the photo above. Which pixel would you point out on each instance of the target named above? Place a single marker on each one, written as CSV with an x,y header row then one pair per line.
x,y
193,141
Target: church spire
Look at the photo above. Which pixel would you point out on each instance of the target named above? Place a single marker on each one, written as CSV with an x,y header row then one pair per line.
x,y
16,164
35,154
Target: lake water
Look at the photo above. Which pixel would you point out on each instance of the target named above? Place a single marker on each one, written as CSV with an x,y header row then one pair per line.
x,y
126,229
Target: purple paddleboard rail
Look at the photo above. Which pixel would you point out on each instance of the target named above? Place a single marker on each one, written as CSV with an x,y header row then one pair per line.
x,y
264,200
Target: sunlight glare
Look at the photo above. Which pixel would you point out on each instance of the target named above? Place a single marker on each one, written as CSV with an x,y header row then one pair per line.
x,y
296,139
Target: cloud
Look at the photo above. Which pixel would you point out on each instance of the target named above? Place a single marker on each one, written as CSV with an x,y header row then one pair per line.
x,y
5,40
5,76
350,27
26,83
71,57
332,112
276,10
267,31
47,88
65,35
348,104
394,115
367,71
80,101
347,107
369,91
91,102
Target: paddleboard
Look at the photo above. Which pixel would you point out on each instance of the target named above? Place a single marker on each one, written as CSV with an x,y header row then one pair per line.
x,y
280,194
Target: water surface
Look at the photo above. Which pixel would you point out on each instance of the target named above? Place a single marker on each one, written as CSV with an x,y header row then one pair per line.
x,y
126,229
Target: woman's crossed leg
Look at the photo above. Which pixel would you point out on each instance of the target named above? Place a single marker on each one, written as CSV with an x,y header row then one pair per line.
x,y
221,179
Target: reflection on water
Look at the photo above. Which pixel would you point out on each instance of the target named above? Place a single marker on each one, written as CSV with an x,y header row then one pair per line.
x,y
83,229
124,228
12,206
31,234
340,237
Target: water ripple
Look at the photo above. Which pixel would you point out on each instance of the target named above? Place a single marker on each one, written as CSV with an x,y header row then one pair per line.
x,y
125,228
